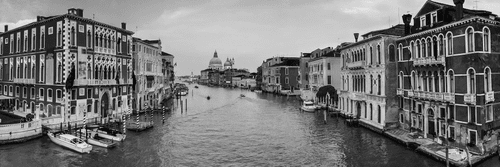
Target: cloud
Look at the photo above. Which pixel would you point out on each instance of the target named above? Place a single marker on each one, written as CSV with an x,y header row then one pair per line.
x,y
17,24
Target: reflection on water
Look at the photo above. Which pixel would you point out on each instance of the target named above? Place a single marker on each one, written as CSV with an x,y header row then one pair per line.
x,y
229,130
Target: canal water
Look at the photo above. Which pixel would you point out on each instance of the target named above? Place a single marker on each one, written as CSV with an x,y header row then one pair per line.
x,y
228,130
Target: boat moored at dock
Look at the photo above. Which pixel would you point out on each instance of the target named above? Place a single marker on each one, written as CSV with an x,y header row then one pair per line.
x,y
308,106
70,142
95,139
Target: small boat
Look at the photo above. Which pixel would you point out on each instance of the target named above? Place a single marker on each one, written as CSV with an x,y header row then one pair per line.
x,y
110,134
195,86
208,97
96,140
70,141
258,91
182,93
242,95
308,106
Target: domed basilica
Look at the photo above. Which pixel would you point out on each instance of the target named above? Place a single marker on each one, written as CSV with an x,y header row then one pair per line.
x,y
216,64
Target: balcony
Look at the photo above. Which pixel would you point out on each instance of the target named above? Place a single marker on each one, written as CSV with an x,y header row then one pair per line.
x,y
24,81
356,65
59,100
449,97
399,92
83,82
439,96
411,93
428,61
490,96
470,98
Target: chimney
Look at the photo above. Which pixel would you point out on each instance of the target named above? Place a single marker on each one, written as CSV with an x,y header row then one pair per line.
x,y
72,11
356,35
407,20
124,25
79,12
459,5
6,28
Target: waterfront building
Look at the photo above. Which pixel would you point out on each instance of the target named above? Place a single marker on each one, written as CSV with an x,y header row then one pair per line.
x,y
447,69
221,75
281,75
65,67
304,71
147,56
168,71
324,68
369,82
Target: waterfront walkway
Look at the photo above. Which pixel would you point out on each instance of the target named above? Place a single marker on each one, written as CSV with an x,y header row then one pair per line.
x,y
456,156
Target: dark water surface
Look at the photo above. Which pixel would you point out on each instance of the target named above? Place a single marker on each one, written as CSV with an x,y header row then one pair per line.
x,y
228,130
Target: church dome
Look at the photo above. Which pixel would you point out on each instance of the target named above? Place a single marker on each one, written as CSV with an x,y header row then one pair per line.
x,y
215,61
227,63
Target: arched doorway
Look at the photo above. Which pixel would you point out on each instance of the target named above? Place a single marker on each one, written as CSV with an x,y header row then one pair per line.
x,y
104,105
430,123
358,109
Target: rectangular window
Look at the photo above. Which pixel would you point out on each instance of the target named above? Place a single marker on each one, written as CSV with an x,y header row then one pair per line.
x,y
329,67
33,39
1,45
89,93
489,113
286,71
422,21
451,132
434,18
73,94
472,115
11,44
472,137
18,42
11,91
286,80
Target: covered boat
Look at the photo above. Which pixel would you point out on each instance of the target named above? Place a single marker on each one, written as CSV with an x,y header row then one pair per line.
x,y
70,141
109,134
96,140
308,106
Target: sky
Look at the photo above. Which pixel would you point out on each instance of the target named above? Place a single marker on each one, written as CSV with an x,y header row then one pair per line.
x,y
249,31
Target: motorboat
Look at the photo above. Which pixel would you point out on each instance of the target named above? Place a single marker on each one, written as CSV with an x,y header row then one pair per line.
x,y
182,93
195,86
208,97
109,134
242,95
308,106
70,141
96,140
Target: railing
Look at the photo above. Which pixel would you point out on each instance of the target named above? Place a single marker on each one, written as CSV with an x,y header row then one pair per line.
x,y
411,93
429,61
490,96
25,81
399,92
82,82
356,64
449,97
470,98
439,96
20,130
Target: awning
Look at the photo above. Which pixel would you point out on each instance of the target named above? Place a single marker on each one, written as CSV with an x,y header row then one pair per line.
x,y
2,97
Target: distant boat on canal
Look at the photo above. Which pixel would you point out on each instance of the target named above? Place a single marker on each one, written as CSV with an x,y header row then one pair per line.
x,y
70,142
109,134
195,86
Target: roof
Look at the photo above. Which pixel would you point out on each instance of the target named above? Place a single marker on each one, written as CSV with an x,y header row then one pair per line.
x,y
71,16
422,10
146,42
306,54
289,61
397,30
166,54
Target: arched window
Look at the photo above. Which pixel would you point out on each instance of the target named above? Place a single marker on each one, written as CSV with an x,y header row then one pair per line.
x,y
371,55
487,80
400,80
419,48
400,52
411,47
451,82
471,77
379,115
73,36
89,71
429,47
470,39
392,54
378,55
449,43
423,45
89,39
59,37
434,47
379,84
96,72
371,84
371,112
96,40
42,41
42,108
413,80
96,106
443,81
441,45
436,82
486,39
